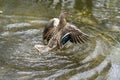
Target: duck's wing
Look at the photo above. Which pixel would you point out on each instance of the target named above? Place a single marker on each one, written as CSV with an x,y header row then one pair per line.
x,y
50,29
73,34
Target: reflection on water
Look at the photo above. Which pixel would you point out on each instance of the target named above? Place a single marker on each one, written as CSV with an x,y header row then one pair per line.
x,y
21,29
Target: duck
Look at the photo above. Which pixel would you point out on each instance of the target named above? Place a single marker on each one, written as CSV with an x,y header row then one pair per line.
x,y
58,32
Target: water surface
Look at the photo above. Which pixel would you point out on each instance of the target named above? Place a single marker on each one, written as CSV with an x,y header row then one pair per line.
x,y
21,26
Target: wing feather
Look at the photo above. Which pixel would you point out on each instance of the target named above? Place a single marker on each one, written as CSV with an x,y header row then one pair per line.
x,y
50,29
76,35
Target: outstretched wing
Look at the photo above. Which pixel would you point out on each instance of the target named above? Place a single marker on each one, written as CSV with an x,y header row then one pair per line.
x,y
50,29
73,34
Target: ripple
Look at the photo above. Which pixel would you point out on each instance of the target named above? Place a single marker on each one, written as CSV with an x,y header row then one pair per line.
x,y
88,74
39,21
118,17
5,33
114,72
17,25
115,28
95,60
27,32
16,16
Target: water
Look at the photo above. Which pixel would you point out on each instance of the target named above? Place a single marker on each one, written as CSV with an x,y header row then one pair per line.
x,y
21,26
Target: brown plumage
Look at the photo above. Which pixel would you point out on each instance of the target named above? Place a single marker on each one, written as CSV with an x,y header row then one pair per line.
x,y
58,32
75,36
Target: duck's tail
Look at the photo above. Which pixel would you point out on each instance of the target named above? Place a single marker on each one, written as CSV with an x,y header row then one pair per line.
x,y
42,48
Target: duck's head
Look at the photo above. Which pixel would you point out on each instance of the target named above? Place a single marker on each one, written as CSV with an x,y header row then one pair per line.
x,y
62,18
64,14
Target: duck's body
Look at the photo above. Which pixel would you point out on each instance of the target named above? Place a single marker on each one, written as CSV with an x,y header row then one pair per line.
x,y
68,33
58,32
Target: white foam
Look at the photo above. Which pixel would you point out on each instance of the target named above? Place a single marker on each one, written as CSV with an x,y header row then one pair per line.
x,y
42,48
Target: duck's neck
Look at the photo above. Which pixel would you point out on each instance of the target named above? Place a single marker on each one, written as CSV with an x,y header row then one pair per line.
x,y
63,21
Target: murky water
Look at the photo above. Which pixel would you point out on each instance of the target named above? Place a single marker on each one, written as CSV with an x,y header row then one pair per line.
x,y
21,25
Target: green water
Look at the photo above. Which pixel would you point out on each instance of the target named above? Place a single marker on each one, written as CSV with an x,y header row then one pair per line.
x,y
21,26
